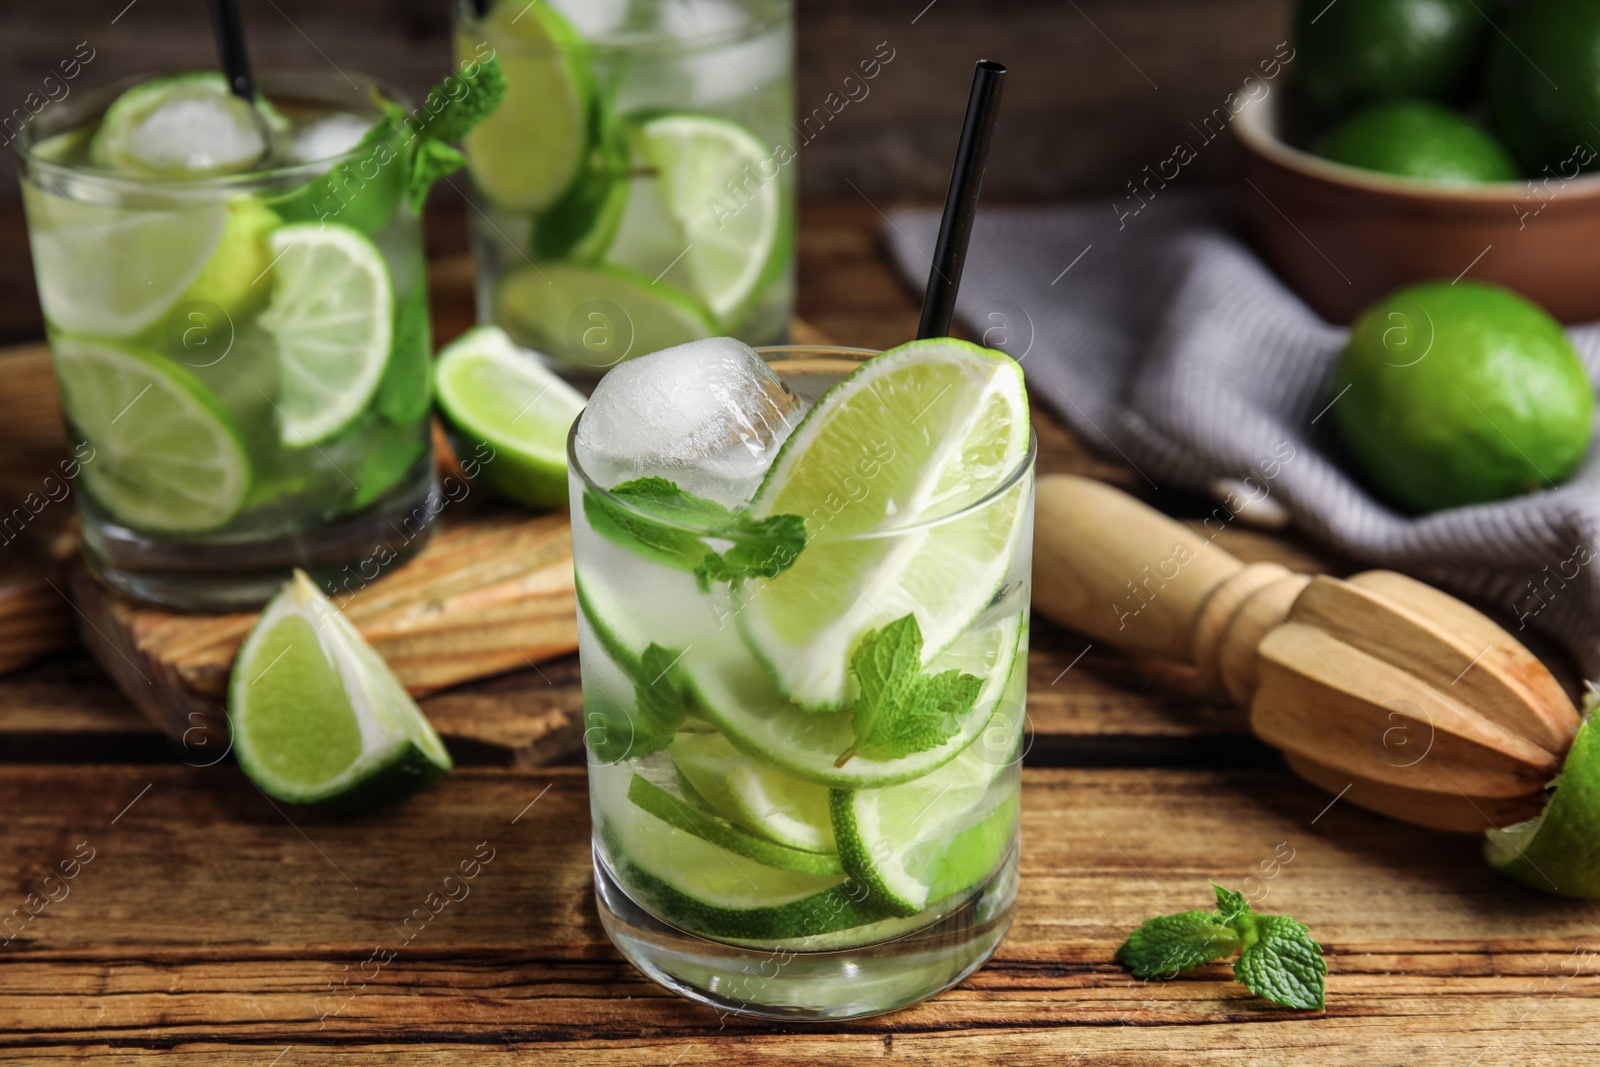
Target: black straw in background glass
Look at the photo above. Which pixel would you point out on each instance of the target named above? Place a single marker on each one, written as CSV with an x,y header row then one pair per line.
x,y
480,8
230,45
961,201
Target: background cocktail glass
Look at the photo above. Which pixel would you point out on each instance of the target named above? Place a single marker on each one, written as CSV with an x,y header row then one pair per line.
x,y
208,464
635,189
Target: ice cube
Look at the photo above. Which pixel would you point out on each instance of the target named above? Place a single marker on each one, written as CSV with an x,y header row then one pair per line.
x,y
332,135
196,131
708,415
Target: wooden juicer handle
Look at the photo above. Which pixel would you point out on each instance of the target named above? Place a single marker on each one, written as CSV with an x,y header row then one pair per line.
x,y
1412,703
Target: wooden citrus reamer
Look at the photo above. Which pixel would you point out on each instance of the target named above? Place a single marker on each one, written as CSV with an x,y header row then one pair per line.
x,y
1423,707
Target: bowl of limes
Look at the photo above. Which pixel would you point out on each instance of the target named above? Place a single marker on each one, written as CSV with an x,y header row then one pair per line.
x,y
1426,139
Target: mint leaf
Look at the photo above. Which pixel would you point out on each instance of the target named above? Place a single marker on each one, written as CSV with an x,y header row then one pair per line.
x,y
1285,965
1176,943
1230,905
648,515
461,101
898,709
431,161
1279,961
615,733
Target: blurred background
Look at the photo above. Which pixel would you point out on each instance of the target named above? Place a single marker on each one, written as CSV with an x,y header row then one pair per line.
x,y
1098,88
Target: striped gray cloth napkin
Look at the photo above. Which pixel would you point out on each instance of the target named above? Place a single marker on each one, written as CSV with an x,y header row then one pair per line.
x,y
1162,339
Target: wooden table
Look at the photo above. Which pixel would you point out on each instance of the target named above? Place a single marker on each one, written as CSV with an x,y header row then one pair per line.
x,y
205,922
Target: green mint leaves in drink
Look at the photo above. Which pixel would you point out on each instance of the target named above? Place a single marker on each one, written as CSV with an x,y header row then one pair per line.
x,y
761,548
901,710
1278,960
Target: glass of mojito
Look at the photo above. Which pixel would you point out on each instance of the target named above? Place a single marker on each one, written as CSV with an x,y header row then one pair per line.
x,y
803,582
237,307
636,189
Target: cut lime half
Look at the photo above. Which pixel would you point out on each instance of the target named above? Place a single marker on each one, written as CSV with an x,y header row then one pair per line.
x,y
926,430
115,271
945,830
595,317
318,717
332,316
527,151
1558,851
720,184
738,697
166,456
493,392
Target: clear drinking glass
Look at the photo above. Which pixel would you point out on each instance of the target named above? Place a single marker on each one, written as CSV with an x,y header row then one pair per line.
x,y
242,360
635,189
720,849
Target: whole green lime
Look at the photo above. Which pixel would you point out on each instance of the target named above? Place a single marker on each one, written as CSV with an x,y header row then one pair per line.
x,y
1354,52
1420,139
1455,394
1544,86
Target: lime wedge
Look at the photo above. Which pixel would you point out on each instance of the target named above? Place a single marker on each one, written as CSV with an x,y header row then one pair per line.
x,y
737,241
675,809
926,429
318,717
527,151
332,316
236,275
753,794
184,126
494,393
595,316
166,456
698,886
1558,851
942,830
114,271
737,696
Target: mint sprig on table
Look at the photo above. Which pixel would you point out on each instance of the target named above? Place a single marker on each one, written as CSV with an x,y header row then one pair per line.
x,y
1278,958
899,709
761,548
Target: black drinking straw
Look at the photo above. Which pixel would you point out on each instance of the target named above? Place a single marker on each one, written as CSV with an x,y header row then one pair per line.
x,y
961,200
230,44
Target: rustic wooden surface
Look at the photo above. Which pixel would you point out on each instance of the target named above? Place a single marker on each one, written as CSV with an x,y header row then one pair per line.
x,y
214,925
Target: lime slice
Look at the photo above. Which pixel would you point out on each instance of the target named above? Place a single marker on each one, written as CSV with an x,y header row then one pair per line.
x,y
527,151
494,393
737,696
672,807
114,271
943,830
926,430
184,126
166,456
595,316
733,219
318,717
753,794
697,886
1558,851
332,316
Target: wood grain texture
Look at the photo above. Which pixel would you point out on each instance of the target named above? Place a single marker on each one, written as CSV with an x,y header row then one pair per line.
x,y
209,917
